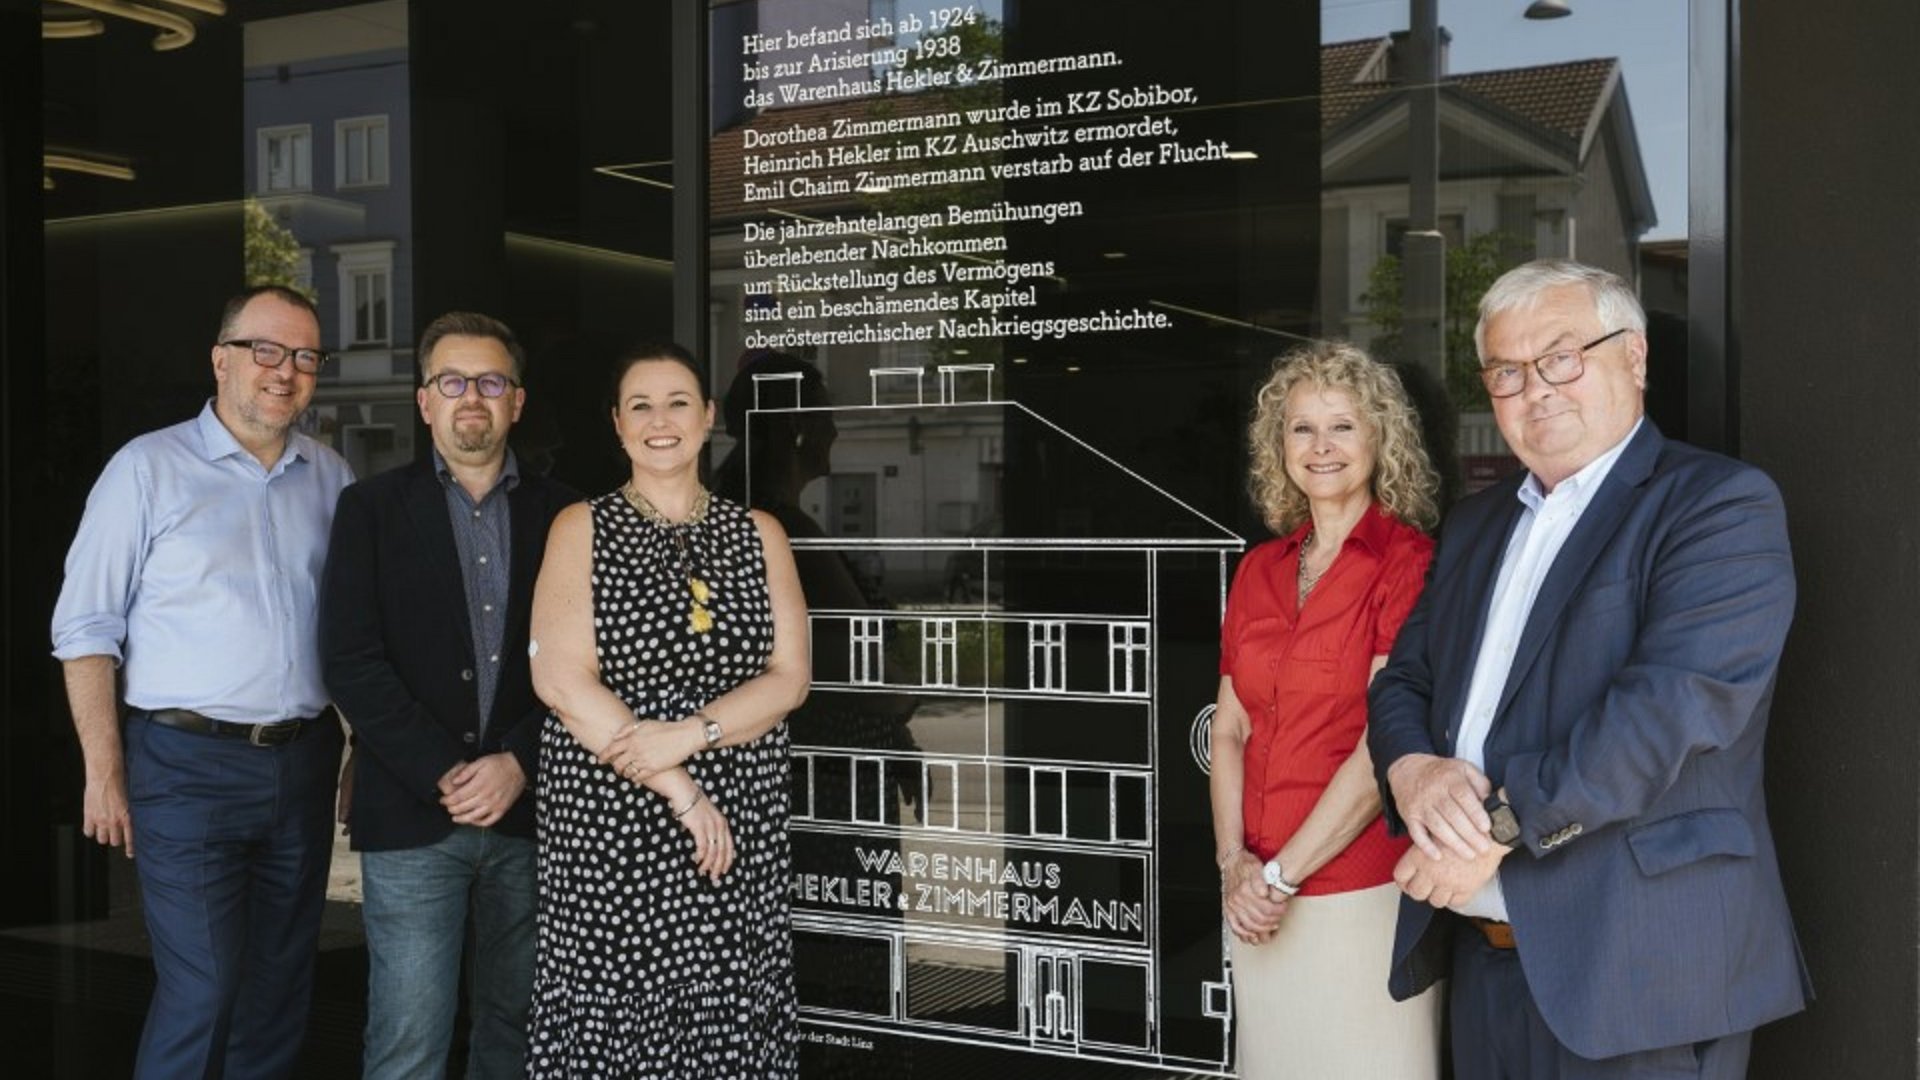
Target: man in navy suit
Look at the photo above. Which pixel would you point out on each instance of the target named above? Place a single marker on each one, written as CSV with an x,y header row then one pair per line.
x,y
423,631
1571,723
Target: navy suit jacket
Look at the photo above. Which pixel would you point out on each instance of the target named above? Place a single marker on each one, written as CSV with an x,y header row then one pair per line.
x,y
1644,890
398,651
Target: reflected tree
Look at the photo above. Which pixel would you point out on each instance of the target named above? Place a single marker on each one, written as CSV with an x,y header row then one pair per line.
x,y
272,251
1471,269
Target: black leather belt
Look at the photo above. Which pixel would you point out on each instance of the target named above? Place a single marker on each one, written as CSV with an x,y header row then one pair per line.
x,y
277,733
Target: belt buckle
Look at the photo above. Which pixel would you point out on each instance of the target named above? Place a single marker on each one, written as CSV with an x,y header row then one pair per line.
x,y
270,734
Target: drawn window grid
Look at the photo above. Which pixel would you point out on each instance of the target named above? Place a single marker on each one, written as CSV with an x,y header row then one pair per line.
x,y
962,383
939,652
869,795
1129,807
803,776
1046,655
865,643
1047,802
940,795
1127,649
897,386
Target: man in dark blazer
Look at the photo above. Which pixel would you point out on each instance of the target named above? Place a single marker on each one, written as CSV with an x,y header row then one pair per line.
x,y
423,626
1571,722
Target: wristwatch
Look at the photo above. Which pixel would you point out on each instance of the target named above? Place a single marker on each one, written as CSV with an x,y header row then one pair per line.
x,y
1274,876
1506,827
711,729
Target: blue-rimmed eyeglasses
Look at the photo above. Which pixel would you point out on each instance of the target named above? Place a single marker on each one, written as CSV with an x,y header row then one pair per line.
x,y
491,385
271,354
1507,378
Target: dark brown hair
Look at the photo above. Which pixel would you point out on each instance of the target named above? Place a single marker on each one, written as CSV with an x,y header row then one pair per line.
x,y
469,324
625,360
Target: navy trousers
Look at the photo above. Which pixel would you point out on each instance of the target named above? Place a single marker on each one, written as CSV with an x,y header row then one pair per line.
x,y
1498,1033
232,843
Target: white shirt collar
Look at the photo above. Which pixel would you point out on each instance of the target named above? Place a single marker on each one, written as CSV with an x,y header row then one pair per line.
x,y
1578,488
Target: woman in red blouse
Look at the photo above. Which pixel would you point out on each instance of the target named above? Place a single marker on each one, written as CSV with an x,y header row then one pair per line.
x,y
1306,865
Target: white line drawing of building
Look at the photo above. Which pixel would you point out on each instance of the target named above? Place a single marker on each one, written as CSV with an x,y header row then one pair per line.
x,y
1017,862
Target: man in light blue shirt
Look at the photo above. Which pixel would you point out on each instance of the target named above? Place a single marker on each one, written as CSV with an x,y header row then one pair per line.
x,y
195,571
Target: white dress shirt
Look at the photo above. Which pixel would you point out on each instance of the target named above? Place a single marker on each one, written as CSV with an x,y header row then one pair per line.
x,y
1546,520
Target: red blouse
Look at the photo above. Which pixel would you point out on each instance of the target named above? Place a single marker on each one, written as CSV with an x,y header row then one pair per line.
x,y
1301,675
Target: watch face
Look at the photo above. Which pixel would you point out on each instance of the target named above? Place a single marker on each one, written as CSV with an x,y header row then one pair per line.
x,y
1271,875
1506,828
712,731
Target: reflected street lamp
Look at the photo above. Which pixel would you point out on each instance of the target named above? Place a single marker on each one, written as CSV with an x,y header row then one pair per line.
x,y
1423,252
1423,255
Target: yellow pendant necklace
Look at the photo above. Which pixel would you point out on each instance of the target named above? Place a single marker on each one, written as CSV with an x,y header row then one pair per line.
x,y
700,594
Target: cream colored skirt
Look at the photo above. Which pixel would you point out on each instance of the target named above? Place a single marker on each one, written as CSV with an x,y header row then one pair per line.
x,y
1312,1003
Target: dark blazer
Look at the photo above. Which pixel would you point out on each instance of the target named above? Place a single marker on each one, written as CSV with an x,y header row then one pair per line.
x,y
398,651
1646,903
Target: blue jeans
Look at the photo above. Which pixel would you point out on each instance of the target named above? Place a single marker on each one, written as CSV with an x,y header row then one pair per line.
x,y
234,842
418,903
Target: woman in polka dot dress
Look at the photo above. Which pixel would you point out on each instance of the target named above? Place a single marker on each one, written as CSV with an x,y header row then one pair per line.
x,y
670,638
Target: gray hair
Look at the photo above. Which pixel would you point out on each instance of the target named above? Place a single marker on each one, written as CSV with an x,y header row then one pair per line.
x,y
1519,289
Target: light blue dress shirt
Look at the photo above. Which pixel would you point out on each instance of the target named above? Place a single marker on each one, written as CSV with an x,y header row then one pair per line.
x,y
1547,519
198,571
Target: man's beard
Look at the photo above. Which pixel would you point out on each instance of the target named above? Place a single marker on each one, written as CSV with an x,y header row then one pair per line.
x,y
476,440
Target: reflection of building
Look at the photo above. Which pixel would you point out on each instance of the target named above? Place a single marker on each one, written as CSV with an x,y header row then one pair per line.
x,y
327,136
1546,156
1010,870
1545,159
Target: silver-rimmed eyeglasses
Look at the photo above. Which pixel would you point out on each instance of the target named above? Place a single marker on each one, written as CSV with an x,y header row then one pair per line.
x,y
1561,366
491,385
271,354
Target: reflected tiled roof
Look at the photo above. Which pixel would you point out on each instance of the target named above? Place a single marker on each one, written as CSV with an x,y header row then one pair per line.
x,y
1562,98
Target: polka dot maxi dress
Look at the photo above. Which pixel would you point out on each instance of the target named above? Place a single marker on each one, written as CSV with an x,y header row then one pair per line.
x,y
643,967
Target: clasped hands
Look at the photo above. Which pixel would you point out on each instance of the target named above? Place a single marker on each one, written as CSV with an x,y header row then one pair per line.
x,y
1253,907
481,791
646,748
1442,800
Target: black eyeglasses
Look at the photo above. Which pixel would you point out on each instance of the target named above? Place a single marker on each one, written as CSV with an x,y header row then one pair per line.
x,y
1557,368
271,354
453,384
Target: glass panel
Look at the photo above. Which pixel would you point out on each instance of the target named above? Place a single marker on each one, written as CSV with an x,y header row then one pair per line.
x,y
1011,274
198,178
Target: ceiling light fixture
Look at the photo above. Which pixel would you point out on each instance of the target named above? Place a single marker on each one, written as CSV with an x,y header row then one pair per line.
x,y
112,170
176,30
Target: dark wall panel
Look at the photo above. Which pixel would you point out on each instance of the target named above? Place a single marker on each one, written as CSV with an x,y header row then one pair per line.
x,y
1824,260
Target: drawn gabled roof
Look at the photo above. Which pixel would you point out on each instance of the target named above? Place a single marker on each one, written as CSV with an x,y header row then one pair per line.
x,y
1082,496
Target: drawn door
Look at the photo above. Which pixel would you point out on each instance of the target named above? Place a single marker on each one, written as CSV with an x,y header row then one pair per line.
x,y
1056,999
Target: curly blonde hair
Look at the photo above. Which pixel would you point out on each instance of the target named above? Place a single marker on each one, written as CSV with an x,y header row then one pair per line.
x,y
1404,480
